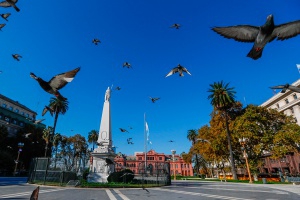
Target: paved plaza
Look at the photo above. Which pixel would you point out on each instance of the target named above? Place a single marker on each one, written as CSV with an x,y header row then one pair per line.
x,y
17,188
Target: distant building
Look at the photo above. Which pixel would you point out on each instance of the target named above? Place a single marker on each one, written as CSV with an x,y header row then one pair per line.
x,y
153,158
289,104
14,115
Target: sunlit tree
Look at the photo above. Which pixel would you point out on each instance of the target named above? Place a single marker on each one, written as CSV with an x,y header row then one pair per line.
x,y
93,137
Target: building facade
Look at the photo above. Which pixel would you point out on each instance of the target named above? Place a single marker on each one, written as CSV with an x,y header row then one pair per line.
x,y
289,104
14,115
153,158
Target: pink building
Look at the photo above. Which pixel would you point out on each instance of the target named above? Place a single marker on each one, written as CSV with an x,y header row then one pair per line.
x,y
154,158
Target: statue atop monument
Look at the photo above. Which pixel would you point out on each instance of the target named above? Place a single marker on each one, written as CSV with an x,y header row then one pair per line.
x,y
107,94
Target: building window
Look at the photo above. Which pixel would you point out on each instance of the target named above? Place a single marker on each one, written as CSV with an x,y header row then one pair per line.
x,y
4,105
11,108
27,115
277,105
22,113
7,119
17,111
140,158
286,101
295,96
160,158
21,124
292,110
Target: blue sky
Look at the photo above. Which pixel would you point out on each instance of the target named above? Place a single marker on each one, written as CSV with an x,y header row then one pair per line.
x,y
55,36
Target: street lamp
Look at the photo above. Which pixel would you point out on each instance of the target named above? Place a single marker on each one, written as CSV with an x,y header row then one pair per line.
x,y
173,156
20,145
243,142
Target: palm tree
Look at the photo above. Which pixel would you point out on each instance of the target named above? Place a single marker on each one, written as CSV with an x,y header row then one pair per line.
x,y
56,140
46,136
192,136
93,137
222,99
60,107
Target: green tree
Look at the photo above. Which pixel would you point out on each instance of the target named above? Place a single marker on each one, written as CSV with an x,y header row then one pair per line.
x,y
60,107
46,136
93,137
222,99
192,136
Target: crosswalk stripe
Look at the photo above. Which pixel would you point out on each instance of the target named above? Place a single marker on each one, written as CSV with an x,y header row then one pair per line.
x,y
28,193
110,195
121,195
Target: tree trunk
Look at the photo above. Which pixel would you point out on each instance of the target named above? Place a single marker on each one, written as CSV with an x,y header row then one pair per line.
x,y
46,149
233,170
55,157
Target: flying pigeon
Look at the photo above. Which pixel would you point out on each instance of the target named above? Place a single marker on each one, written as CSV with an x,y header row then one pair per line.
x,y
123,130
130,142
145,189
154,99
35,194
260,35
10,3
109,161
1,26
26,135
46,109
117,88
16,56
177,26
5,16
38,121
285,87
179,69
126,64
171,140
96,41
57,82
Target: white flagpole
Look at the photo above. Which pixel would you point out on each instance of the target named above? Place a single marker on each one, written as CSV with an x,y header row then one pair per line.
x,y
145,142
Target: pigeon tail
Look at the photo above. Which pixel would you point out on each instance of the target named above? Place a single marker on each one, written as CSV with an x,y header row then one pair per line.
x,y
255,53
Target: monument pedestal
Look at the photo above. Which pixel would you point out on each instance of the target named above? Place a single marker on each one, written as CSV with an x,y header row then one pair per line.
x,y
100,170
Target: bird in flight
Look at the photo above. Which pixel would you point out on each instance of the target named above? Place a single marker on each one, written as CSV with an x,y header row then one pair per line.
x,y
123,130
153,99
145,189
10,3
117,88
176,26
16,57
96,41
260,35
57,82
27,135
38,121
35,194
5,16
180,69
46,109
1,26
126,64
171,140
285,87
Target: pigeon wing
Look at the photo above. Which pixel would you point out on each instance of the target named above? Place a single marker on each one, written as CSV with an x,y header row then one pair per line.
x,y
278,87
60,80
185,70
286,31
294,88
241,33
173,71
4,4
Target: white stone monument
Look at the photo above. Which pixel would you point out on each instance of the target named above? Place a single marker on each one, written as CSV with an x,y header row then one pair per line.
x,y
99,168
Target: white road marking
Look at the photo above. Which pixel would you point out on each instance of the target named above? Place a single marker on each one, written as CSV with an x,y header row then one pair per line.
x,y
27,193
110,195
200,194
121,195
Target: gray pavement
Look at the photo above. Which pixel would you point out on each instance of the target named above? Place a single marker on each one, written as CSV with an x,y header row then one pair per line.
x,y
179,189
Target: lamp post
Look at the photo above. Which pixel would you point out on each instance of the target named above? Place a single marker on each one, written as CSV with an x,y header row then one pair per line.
x,y
243,142
173,156
20,145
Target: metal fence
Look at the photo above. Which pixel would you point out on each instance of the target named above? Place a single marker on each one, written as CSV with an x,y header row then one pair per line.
x,y
41,172
155,173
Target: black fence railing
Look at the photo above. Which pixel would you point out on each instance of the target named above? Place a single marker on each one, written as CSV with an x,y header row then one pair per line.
x,y
41,172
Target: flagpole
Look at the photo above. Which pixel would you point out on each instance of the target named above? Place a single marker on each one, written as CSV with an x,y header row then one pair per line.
x,y
145,142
